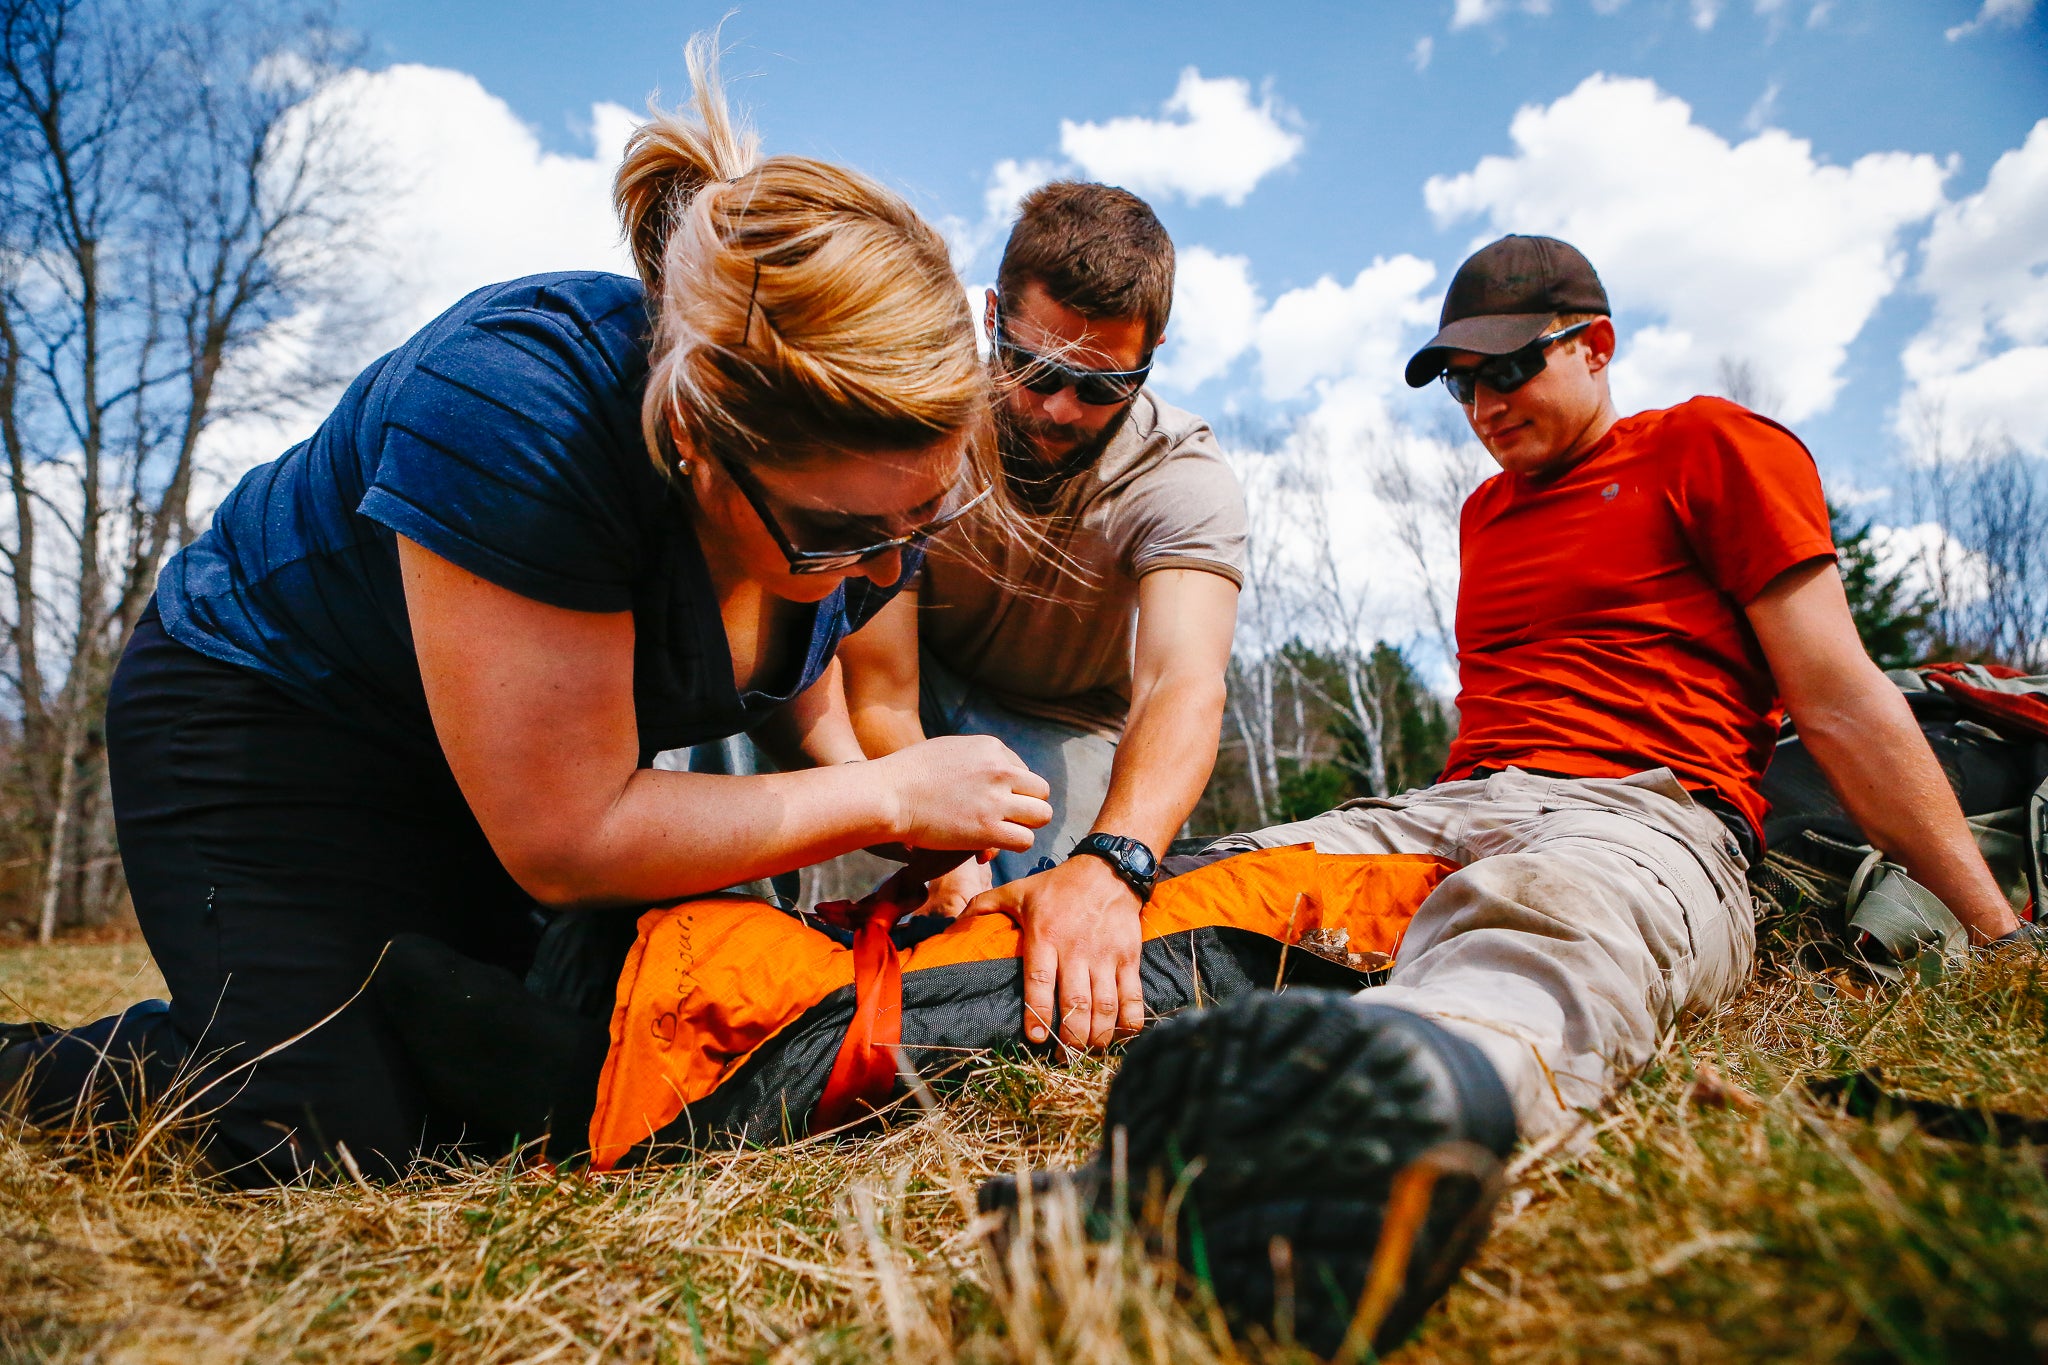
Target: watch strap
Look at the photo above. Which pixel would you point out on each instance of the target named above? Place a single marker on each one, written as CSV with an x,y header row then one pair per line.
x,y
1120,852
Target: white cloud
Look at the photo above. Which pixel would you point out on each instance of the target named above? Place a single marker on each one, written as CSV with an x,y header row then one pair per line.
x,y
1932,561
1007,185
1215,310
1328,331
1424,49
1764,110
1704,13
2004,13
1749,252
1009,182
1215,143
1472,13
474,197
1983,357
466,197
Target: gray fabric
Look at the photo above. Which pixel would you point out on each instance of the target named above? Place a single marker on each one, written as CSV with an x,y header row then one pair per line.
x,y
1075,762
952,1015
1902,917
1587,917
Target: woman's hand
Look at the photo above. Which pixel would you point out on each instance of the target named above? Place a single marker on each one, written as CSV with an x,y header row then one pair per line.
x,y
964,791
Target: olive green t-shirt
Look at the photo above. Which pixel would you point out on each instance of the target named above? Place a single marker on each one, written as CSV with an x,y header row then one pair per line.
x,y
1046,629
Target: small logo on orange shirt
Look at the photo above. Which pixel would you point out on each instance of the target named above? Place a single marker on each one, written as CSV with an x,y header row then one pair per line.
x,y
1610,493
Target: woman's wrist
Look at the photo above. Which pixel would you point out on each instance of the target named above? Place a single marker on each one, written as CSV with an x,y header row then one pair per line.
x,y
877,799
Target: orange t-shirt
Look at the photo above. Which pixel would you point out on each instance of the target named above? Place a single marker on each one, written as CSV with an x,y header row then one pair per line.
x,y
1600,615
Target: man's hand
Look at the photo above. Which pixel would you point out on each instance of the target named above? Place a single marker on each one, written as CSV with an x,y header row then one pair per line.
x,y
949,893
1081,944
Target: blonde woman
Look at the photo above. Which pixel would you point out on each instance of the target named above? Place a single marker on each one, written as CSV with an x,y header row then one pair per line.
x,y
412,678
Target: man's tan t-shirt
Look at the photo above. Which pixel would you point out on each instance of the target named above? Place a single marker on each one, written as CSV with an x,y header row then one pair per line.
x,y
1042,639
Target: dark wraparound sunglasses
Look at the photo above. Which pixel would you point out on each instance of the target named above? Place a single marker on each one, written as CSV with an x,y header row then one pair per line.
x,y
958,502
1506,373
1043,375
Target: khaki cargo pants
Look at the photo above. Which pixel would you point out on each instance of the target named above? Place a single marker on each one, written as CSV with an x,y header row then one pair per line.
x,y
1589,915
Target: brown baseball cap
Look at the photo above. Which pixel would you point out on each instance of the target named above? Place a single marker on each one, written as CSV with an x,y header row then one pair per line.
x,y
1503,297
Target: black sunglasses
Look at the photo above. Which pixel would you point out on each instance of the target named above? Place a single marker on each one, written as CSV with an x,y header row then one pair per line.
x,y
959,502
1043,375
1506,373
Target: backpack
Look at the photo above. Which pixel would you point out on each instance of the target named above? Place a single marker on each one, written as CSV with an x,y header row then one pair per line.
x,y
1988,728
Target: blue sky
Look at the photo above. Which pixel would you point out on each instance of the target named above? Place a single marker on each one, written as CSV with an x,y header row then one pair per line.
x,y
930,97
1849,198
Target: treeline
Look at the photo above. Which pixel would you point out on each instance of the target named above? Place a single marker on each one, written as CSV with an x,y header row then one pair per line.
x,y
1292,744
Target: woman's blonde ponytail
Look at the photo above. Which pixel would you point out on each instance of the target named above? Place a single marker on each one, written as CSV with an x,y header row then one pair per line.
x,y
801,312
670,158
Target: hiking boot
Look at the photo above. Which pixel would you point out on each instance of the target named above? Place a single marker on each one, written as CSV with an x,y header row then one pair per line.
x,y
95,1073
16,1053
1298,1136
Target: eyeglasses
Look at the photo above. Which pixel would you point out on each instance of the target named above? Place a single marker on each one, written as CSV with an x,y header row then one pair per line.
x,y
955,504
1043,375
1506,373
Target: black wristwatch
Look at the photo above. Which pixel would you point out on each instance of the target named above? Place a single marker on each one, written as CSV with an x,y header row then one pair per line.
x,y
1131,860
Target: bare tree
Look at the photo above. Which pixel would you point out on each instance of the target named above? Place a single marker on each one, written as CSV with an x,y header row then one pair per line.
x,y
1424,501
1320,707
1341,614
1987,570
178,193
1742,382
1266,620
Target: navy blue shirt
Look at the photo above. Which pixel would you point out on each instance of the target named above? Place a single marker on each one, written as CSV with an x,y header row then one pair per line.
x,y
504,437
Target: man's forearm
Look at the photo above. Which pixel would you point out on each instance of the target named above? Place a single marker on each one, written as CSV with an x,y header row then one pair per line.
x,y
1880,765
813,729
885,729
879,663
1164,759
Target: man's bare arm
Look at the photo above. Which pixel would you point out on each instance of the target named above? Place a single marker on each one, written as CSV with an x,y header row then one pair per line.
x,y
1080,922
880,670
1186,618
812,730
1860,730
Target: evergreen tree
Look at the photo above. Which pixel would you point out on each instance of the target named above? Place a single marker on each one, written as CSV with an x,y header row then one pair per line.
x,y
1893,616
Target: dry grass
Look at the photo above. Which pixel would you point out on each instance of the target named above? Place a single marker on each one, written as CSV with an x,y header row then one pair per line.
x,y
1718,1215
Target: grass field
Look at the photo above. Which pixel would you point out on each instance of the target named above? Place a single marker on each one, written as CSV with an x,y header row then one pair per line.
x,y
1718,1214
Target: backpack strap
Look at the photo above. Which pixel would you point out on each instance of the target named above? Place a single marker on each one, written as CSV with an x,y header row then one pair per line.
x,y
2037,840
1901,918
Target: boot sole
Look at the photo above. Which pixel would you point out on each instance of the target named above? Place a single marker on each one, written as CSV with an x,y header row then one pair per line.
x,y
1273,1130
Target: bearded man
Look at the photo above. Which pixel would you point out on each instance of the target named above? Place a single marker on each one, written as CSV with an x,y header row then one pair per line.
x,y
1095,648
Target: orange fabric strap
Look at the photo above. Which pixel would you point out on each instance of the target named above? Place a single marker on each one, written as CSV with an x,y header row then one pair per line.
x,y
864,1073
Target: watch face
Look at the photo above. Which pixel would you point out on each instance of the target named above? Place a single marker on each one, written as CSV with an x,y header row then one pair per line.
x,y
1129,854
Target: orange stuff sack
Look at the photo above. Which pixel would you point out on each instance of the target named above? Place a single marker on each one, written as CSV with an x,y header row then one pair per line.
x,y
734,1021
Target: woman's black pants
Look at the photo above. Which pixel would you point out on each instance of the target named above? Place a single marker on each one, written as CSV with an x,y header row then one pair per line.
x,y
272,851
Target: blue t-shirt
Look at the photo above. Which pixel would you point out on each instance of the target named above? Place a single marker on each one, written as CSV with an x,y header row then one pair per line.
x,y
504,437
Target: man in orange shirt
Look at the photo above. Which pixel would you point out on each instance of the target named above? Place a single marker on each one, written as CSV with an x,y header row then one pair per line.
x,y
1640,595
